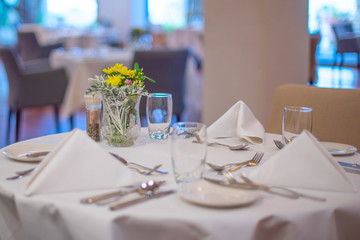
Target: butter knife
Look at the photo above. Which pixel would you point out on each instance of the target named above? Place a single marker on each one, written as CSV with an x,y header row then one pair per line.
x,y
351,170
37,154
353,165
141,199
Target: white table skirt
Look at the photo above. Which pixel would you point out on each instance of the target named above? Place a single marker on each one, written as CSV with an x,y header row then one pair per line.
x,y
61,216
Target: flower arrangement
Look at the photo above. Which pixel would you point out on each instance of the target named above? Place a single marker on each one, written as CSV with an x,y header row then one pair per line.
x,y
121,89
120,81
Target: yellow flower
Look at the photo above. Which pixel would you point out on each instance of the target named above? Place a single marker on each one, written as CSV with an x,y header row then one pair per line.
x,y
127,72
114,80
115,69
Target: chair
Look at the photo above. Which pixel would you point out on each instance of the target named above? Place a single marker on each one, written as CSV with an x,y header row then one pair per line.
x,y
346,42
29,47
336,115
167,68
31,87
314,41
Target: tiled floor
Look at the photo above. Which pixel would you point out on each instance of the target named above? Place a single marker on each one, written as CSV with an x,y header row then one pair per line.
x,y
40,121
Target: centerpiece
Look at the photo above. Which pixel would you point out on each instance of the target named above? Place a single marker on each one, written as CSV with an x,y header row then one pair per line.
x,y
121,89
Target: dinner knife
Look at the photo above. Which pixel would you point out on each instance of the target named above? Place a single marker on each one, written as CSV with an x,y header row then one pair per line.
x,y
141,199
353,165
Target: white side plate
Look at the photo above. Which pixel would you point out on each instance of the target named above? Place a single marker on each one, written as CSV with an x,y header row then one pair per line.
x,y
210,195
339,149
18,151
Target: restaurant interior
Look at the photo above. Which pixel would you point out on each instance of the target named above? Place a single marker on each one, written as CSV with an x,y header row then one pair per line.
x,y
179,119
258,49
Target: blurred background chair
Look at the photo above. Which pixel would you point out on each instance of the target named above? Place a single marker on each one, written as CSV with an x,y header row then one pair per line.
x,y
167,68
31,86
29,47
346,42
314,42
336,115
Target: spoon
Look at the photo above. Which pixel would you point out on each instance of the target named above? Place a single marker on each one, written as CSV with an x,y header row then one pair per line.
x,y
242,146
144,189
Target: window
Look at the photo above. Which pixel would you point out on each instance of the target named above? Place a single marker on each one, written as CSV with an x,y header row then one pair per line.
x,y
173,14
71,13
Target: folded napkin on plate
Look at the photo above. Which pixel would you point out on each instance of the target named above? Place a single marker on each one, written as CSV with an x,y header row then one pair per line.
x,y
78,163
238,122
303,163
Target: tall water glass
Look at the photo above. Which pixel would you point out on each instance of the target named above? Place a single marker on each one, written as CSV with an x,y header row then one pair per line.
x,y
158,114
295,120
188,151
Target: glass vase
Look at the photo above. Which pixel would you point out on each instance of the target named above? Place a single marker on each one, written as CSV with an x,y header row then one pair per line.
x,y
121,120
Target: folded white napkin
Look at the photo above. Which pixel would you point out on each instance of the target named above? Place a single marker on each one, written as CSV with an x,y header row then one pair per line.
x,y
303,163
238,122
78,163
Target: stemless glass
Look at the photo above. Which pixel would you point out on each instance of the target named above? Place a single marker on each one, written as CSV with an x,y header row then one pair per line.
x,y
295,120
158,114
188,151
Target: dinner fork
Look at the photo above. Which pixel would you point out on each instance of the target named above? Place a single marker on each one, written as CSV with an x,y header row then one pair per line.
x,y
253,162
279,144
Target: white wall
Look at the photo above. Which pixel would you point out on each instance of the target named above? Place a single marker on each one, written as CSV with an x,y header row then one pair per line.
x,y
250,48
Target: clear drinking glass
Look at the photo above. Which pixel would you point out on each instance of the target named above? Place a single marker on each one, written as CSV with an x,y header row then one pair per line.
x,y
188,151
158,114
295,120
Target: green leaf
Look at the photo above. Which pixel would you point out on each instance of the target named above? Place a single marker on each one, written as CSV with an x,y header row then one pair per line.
x,y
151,80
136,66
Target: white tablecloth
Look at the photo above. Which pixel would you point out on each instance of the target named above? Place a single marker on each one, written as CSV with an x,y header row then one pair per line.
x,y
61,216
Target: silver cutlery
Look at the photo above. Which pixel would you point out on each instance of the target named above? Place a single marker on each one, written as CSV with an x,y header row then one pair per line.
x,y
352,165
242,146
126,163
21,174
223,167
253,162
146,172
250,185
279,144
37,154
150,195
246,179
145,186
352,170
25,171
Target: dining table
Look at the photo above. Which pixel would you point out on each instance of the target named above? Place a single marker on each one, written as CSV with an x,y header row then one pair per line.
x,y
63,216
81,64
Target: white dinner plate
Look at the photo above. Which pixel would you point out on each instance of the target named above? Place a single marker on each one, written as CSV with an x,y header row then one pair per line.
x,y
210,195
18,151
338,149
